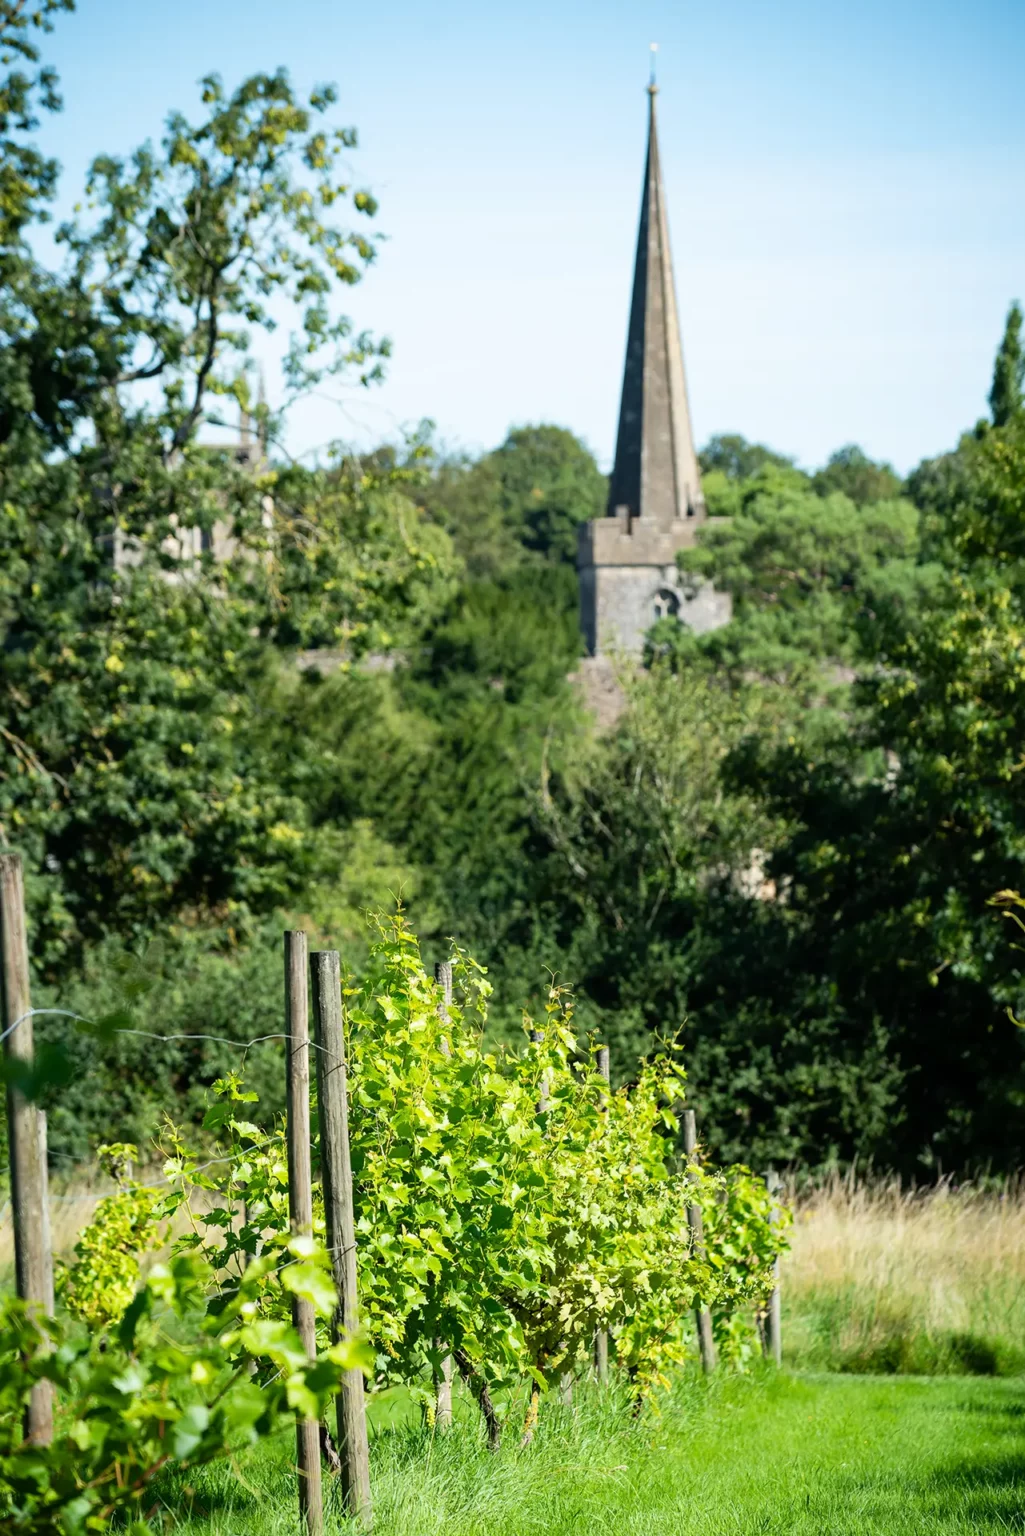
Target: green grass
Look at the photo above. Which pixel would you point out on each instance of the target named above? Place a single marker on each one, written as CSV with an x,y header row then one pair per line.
x,y
755,1456
921,1282
850,1330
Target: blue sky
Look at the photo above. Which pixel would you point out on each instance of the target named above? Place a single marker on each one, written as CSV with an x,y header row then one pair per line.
x,y
846,192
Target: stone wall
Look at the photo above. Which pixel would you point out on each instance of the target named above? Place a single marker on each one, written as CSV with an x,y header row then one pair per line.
x,y
620,603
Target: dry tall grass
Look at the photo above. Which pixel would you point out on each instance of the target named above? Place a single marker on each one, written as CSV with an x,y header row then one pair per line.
x,y
889,1278
72,1207
69,1213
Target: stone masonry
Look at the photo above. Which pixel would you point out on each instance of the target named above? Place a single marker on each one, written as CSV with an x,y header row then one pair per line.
x,y
627,560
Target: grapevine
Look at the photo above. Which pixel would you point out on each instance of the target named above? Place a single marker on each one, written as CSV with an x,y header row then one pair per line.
x,y
508,1205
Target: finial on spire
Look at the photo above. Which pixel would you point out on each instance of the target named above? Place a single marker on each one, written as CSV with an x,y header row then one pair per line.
x,y
652,87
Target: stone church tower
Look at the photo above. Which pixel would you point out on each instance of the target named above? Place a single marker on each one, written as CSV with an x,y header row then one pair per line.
x,y
627,559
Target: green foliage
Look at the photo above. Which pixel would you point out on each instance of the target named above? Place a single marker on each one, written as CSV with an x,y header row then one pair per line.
x,y
549,485
863,480
905,824
658,895
731,467
178,231
174,1385
27,177
505,1202
445,755
517,636
148,580
130,728
733,456
463,496
1005,396
727,497
99,1286
802,570
351,563
647,819
195,1000
522,502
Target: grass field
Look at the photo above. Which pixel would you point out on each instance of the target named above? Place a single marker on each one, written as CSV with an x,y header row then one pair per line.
x,y
902,1312
754,1456
885,1278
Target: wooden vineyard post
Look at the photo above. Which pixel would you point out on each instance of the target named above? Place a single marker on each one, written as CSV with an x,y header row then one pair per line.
x,y
702,1317
544,1107
774,1318
601,1338
300,1206
544,1098
48,1299
443,1375
443,976
26,1133
336,1173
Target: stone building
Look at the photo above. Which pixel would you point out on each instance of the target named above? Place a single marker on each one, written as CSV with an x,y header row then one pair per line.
x,y
187,545
627,559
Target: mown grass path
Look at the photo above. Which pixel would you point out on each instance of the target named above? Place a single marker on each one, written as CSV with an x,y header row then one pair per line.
x,y
753,1456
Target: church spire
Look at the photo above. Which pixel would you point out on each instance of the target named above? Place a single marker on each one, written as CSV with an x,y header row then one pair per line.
x,y
656,475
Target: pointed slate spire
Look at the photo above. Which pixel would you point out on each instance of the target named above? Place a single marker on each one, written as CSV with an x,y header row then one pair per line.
x,y
656,476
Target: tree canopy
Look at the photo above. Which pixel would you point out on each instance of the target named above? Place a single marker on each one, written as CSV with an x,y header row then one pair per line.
x,y
147,579
520,503
859,478
237,689
1005,396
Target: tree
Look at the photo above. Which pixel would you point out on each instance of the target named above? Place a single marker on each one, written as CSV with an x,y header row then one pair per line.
x,y
730,466
352,565
733,456
860,478
802,570
444,754
522,502
1005,396
654,895
549,484
908,821
463,496
137,666
27,177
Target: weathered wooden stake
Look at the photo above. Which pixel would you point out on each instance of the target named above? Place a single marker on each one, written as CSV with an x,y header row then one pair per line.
x,y
774,1317
702,1317
26,1134
544,1098
336,1172
443,976
601,1338
443,1373
49,1300
300,1206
